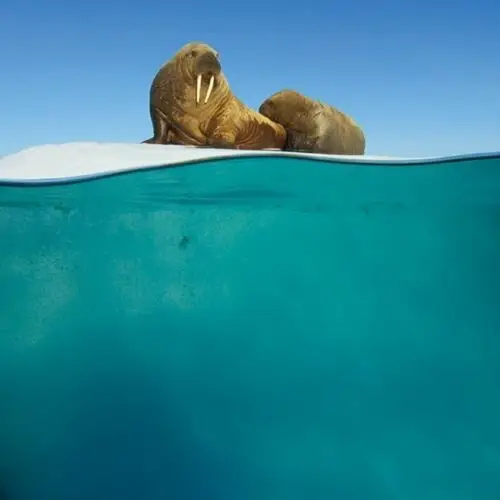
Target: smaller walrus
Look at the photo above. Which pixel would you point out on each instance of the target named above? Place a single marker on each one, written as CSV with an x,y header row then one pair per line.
x,y
182,115
313,126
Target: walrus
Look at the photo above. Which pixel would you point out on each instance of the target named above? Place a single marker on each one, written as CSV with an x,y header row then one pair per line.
x,y
191,103
313,126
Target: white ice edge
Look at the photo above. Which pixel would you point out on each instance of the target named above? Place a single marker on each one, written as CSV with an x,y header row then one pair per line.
x,y
72,161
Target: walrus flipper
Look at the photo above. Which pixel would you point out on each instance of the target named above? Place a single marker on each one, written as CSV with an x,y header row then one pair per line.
x,y
161,128
223,138
300,142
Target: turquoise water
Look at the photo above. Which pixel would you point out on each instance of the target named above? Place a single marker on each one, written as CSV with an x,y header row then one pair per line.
x,y
253,329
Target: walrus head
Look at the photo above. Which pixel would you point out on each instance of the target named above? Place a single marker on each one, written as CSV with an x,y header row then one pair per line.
x,y
200,66
292,110
285,107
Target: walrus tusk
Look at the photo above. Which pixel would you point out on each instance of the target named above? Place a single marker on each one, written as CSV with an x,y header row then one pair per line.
x,y
210,88
209,91
198,89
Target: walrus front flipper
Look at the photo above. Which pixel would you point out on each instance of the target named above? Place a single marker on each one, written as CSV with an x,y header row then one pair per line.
x,y
299,142
221,137
161,128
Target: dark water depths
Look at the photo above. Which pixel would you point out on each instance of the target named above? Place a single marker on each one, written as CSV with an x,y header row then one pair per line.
x,y
253,329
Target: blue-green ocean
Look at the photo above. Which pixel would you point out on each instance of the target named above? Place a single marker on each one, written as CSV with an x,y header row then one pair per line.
x,y
253,329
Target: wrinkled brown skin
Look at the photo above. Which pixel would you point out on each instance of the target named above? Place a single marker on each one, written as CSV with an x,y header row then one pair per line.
x,y
223,122
313,126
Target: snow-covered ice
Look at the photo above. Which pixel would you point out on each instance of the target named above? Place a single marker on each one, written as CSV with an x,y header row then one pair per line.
x,y
84,159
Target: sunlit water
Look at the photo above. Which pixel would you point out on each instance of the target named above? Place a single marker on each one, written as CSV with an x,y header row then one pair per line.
x,y
253,329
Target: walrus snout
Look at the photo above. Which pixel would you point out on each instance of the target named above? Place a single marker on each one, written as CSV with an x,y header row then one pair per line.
x,y
206,66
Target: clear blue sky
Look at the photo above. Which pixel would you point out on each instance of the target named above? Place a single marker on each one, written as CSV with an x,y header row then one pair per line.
x,y
422,78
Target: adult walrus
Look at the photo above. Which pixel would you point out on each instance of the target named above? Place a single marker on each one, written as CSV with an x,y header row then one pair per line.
x,y
313,126
182,115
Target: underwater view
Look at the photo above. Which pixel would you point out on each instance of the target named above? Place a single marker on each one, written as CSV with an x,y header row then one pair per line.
x,y
270,328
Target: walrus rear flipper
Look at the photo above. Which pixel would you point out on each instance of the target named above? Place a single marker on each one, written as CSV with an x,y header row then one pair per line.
x,y
161,128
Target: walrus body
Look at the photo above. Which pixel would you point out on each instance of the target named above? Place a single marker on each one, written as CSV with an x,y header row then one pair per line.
x,y
182,115
313,126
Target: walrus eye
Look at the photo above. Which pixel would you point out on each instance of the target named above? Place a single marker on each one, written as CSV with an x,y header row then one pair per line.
x,y
194,53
